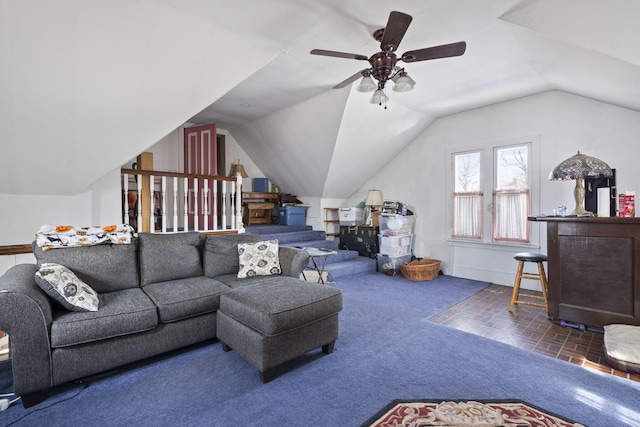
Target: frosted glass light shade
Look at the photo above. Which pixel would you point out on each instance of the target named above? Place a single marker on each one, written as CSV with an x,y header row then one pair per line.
x,y
366,85
379,97
403,84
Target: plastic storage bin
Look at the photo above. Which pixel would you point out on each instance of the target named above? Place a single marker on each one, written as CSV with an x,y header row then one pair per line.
x,y
292,215
395,245
395,225
389,262
261,185
351,216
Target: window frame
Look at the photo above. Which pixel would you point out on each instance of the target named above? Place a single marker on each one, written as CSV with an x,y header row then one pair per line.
x,y
488,176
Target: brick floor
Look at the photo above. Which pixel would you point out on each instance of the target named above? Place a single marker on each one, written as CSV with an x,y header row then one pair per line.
x,y
487,314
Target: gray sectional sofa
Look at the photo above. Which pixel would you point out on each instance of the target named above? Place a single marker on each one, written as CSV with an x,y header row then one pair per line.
x,y
160,293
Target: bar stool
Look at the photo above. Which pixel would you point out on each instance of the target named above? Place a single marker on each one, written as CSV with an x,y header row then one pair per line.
x,y
523,257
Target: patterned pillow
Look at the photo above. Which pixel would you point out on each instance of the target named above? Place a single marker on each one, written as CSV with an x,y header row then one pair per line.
x,y
65,288
258,259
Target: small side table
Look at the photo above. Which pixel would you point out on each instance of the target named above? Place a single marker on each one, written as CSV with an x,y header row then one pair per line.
x,y
318,253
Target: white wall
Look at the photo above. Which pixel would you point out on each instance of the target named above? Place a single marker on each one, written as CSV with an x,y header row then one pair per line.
x,y
564,124
22,217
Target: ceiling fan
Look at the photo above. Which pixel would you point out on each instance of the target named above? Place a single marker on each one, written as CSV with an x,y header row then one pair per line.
x,y
383,64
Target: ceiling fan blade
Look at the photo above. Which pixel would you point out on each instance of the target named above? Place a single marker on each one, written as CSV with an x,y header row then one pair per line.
x,y
339,54
394,31
350,80
435,52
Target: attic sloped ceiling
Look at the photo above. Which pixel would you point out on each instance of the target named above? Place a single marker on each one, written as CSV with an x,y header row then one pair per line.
x,y
294,146
85,86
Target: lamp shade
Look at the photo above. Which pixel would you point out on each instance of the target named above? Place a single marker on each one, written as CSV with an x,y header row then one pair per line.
x,y
580,166
238,168
374,198
577,168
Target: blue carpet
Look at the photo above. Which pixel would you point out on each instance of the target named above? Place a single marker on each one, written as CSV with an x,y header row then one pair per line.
x,y
387,350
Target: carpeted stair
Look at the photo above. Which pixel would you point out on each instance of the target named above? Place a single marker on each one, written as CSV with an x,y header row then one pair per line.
x,y
345,263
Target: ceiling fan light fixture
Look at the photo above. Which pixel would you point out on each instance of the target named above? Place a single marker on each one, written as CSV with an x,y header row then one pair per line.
x,y
366,84
379,97
403,84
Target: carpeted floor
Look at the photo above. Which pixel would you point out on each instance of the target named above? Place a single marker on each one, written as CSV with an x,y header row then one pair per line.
x,y
388,349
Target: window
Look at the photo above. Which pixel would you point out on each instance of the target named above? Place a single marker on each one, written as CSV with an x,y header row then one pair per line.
x,y
510,204
467,197
504,172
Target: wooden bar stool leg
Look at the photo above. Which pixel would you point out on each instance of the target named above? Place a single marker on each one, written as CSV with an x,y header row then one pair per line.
x,y
543,285
516,285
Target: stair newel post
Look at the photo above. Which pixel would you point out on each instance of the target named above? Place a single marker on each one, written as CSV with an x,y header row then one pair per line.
x,y
145,193
238,206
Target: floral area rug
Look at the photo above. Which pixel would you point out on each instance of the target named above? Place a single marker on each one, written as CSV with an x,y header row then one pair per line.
x,y
498,413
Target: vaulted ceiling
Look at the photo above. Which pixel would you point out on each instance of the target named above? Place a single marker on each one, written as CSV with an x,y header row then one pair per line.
x,y
85,86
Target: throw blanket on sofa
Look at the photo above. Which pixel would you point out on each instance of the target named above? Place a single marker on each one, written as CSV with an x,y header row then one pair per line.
x,y
64,236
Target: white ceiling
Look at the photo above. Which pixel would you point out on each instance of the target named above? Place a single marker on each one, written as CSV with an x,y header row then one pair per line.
x,y
85,86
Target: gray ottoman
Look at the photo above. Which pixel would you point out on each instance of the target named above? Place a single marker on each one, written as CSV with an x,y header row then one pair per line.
x,y
271,323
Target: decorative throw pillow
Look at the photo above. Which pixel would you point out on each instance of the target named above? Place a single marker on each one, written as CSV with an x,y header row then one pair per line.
x,y
65,288
258,259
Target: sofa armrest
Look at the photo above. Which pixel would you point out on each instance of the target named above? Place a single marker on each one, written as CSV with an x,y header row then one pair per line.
x,y
292,261
25,315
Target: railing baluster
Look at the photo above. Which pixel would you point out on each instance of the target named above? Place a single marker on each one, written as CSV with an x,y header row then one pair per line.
x,y
185,220
163,213
205,205
175,204
125,191
195,205
224,205
152,210
139,216
214,204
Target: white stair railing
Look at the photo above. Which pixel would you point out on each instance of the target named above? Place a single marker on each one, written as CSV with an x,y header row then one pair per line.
x,y
208,203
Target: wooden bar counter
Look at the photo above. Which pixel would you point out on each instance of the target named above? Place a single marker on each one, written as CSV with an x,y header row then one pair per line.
x,y
593,269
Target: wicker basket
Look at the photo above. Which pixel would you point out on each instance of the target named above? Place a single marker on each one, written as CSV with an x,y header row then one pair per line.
x,y
421,269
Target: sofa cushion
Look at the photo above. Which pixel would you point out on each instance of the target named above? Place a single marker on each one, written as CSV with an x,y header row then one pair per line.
x,y
233,281
106,268
121,313
281,306
179,299
622,347
221,253
66,289
169,256
259,259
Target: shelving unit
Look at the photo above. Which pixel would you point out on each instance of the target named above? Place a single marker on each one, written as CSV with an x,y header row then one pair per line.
x,y
331,222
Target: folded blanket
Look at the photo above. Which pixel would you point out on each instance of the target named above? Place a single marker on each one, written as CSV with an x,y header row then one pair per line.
x,y
64,236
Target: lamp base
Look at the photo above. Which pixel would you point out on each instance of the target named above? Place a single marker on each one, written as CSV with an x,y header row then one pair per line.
x,y
578,195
